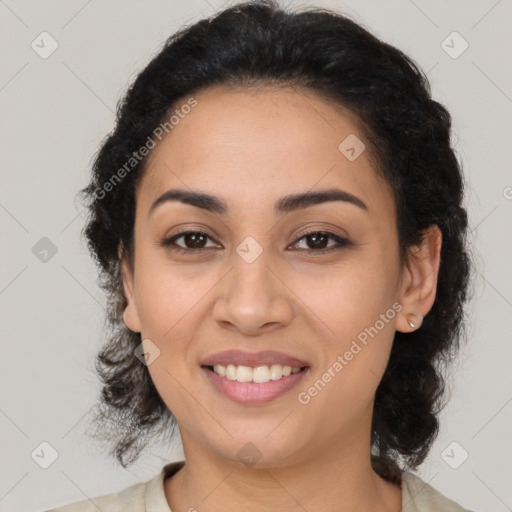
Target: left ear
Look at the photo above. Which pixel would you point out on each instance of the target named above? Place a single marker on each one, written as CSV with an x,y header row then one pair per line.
x,y
130,316
419,280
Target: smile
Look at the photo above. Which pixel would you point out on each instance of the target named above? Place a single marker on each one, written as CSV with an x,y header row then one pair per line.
x,y
238,385
258,374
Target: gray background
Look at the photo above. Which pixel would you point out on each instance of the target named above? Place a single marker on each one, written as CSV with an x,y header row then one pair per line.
x,y
54,113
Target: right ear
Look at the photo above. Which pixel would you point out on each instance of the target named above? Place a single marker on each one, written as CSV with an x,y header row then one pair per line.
x,y
131,314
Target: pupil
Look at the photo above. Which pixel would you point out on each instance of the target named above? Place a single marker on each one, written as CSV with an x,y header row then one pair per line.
x,y
315,238
195,239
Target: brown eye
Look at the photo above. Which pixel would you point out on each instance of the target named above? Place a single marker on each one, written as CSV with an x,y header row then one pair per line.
x,y
195,241
192,241
317,242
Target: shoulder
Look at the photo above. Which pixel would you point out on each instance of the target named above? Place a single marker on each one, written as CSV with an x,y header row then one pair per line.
x,y
130,499
419,496
139,497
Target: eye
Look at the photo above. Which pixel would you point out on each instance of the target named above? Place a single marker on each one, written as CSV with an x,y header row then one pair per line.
x,y
193,241
319,240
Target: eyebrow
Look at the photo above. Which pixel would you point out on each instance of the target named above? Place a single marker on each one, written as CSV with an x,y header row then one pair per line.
x,y
284,205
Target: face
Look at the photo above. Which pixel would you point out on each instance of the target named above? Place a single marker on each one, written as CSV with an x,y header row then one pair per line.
x,y
320,281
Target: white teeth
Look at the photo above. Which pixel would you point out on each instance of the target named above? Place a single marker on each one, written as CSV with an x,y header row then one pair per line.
x,y
230,371
244,374
276,371
259,374
221,370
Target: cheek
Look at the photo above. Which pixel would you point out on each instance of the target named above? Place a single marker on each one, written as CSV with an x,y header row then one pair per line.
x,y
344,387
347,297
355,311
167,293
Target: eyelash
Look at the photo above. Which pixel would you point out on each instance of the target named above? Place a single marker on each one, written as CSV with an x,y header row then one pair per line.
x,y
342,242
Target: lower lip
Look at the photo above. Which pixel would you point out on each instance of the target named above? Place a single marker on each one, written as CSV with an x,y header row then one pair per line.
x,y
252,393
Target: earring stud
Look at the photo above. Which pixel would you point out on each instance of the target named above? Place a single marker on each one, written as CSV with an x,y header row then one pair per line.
x,y
412,324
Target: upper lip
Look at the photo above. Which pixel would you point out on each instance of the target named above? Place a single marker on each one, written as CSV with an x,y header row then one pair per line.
x,y
253,359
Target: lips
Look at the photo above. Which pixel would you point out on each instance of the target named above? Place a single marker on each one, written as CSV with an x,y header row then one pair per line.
x,y
254,394
253,359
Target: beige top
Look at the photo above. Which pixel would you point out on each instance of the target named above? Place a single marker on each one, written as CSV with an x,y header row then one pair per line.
x,y
417,496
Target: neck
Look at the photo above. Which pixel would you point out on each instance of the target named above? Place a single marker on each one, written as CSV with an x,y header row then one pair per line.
x,y
337,478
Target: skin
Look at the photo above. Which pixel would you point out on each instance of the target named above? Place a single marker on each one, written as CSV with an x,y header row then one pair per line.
x,y
251,147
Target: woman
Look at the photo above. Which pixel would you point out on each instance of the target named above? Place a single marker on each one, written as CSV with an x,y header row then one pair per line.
x,y
278,222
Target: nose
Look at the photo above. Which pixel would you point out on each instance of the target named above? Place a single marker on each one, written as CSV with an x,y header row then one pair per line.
x,y
253,297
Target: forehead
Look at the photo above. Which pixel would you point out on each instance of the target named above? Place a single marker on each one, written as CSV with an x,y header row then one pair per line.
x,y
254,145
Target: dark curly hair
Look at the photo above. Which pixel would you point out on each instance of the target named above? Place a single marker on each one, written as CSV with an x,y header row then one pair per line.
x,y
261,43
